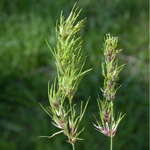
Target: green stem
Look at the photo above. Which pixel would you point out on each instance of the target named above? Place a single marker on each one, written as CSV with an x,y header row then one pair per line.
x,y
73,147
70,107
111,136
111,143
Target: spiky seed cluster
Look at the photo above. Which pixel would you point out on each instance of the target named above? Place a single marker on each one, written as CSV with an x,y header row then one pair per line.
x,y
69,64
110,71
110,67
68,53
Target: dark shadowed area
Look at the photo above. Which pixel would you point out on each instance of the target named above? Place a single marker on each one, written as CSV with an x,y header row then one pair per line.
x,y
26,65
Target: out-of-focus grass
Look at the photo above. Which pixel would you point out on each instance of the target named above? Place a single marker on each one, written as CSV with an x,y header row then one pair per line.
x,y
27,65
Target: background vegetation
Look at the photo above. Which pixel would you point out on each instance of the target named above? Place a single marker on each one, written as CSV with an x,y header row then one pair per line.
x,y
26,65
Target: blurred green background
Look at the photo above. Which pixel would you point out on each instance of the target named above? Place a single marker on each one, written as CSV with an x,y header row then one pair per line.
x,y
26,65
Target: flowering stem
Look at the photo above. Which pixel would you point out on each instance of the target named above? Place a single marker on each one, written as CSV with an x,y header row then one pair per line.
x,y
110,71
111,136
73,147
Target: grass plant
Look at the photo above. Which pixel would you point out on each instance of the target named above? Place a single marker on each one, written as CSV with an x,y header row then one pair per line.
x,y
110,70
26,66
69,63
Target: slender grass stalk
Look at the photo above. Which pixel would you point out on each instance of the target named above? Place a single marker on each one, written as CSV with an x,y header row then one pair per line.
x,y
111,138
73,147
111,144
